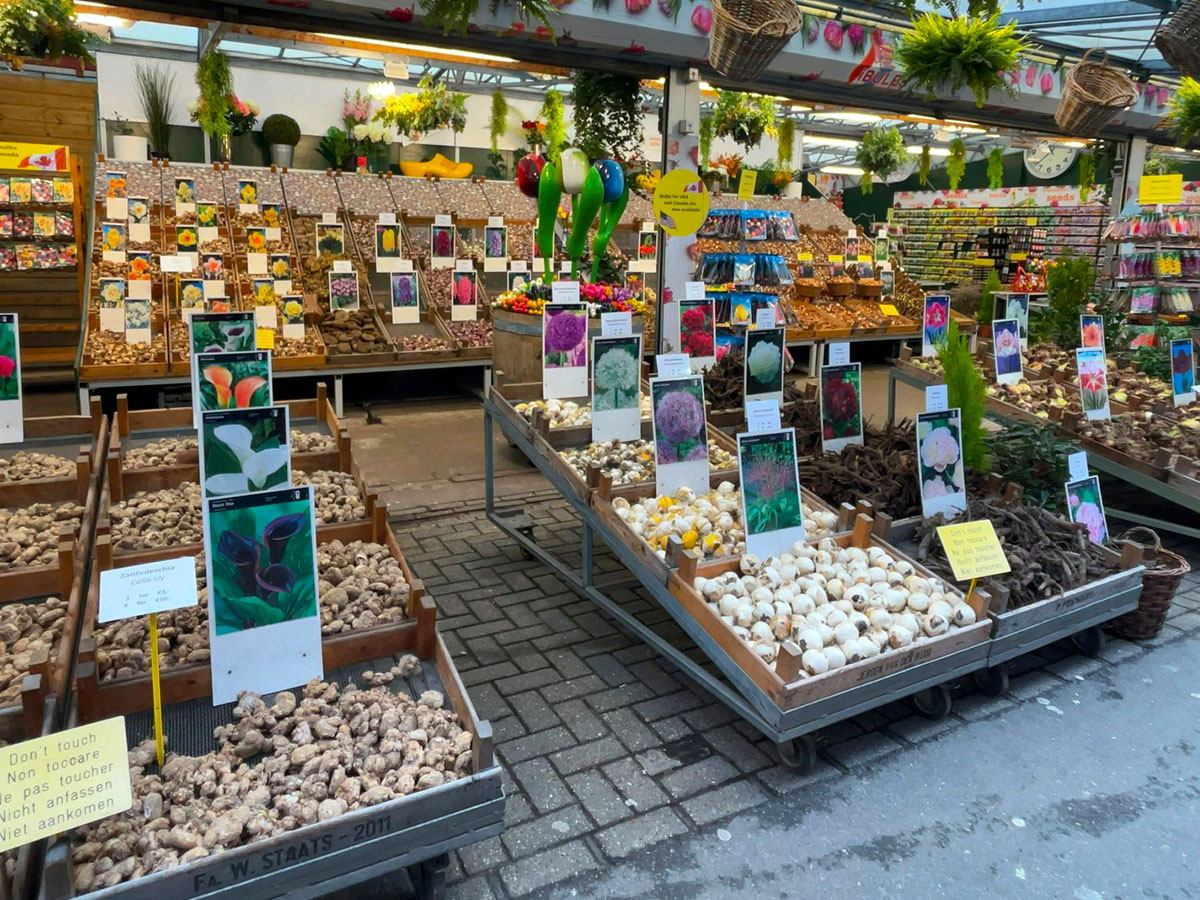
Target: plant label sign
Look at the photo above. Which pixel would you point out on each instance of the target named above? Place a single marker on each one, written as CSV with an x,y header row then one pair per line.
x,y
936,321
1183,371
762,415
937,398
564,292
264,626
764,317
1093,383
672,365
232,380
1009,305
841,406
564,351
1077,465
388,249
940,464
244,450
405,294
464,293
839,353
698,332
973,550
1086,507
12,415
38,802
1006,347
616,388
680,434
149,588
616,324
770,488
763,367
495,247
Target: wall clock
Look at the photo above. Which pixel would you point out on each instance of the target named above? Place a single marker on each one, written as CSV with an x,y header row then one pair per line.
x,y
1047,161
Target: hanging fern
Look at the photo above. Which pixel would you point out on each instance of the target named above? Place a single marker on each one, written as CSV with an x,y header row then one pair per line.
x,y
1184,117
967,390
499,123
706,139
455,15
556,129
880,153
215,81
956,163
1087,175
995,168
787,140
923,170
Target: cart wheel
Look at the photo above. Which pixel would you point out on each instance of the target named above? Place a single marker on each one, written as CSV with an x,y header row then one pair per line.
x,y
798,754
1090,641
933,703
429,878
992,681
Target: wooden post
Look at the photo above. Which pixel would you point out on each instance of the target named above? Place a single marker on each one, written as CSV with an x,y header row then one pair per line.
x,y
594,471
1132,554
96,411
87,689
123,415
861,536
688,561
883,525
66,565
116,485
1013,492
426,627
845,514
787,664
604,488
33,703
83,476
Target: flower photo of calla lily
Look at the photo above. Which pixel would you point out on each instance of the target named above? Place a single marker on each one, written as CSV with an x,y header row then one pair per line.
x,y
10,369
248,192
841,406
185,190
331,239
764,362
263,560
343,291
1093,383
1086,508
680,432
234,380
206,215
939,461
244,450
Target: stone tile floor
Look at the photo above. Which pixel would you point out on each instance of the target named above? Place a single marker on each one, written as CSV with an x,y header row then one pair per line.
x,y
624,780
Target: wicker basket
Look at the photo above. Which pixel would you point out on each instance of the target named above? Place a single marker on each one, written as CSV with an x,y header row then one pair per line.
x,y
1095,92
1179,39
748,34
1164,571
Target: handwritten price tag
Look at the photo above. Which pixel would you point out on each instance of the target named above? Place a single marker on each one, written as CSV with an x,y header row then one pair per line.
x,y
973,550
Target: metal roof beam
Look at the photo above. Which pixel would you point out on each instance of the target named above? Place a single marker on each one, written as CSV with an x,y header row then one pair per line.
x,y
1077,12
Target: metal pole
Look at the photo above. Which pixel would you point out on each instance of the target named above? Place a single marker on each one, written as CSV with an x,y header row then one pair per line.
x,y
681,140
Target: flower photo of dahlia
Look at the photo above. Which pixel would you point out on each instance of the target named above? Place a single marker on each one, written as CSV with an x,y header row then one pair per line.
x,y
841,408
679,428
764,362
565,336
1086,508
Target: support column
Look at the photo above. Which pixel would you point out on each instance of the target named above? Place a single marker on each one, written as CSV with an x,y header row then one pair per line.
x,y
681,149
1125,180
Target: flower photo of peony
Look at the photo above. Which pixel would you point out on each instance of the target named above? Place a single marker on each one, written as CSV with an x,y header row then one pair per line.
x,y
764,362
1086,508
565,337
841,404
696,328
1007,340
939,454
616,375
679,427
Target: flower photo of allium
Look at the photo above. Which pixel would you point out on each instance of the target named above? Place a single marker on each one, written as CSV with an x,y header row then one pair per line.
x,y
764,361
939,453
1086,508
404,290
841,404
331,239
615,375
495,245
441,239
263,570
464,288
565,337
1183,366
10,369
680,432
696,321
1007,340
1091,331
937,318
343,291
1093,380
770,484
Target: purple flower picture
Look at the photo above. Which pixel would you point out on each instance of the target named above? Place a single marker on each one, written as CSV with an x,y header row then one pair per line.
x,y
404,290
495,244
679,428
343,291
565,337
441,239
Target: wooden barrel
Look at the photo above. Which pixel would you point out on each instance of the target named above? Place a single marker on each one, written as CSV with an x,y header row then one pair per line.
x,y
517,344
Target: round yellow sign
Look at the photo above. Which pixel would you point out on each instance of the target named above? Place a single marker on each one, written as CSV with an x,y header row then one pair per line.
x,y
681,202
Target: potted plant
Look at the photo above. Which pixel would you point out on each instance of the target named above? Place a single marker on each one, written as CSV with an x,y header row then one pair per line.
x,y
156,91
952,53
880,153
1184,117
282,134
956,163
456,15
497,128
218,110
43,30
334,146
743,118
127,146
608,114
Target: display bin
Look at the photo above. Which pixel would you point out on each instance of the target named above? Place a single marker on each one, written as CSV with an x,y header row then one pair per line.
x,y
512,394
99,699
142,425
415,831
517,343
91,369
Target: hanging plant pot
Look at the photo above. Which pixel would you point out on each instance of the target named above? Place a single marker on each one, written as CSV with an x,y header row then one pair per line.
x,y
1179,39
747,34
1095,92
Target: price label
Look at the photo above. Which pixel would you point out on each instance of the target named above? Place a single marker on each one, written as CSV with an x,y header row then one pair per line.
x,y
673,365
181,263
973,550
1160,189
495,222
387,218
888,309
616,324
343,266
328,218
149,588
1018,257
985,263
765,317
937,398
693,290
1077,465
564,292
746,184
1031,221
762,415
839,353
442,220
804,257
265,338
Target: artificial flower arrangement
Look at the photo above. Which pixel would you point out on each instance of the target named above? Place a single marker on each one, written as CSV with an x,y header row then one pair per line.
x,y
427,109
600,298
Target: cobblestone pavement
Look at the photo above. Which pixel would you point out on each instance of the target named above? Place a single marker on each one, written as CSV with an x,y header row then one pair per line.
x,y
622,780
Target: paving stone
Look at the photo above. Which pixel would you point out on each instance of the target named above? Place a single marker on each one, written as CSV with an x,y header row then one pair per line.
x,y
640,832
540,744
481,675
627,694
568,664
488,703
612,672
712,716
741,752
527,682
783,780
1035,684
630,730
483,855
916,729
588,755
584,724
516,809
576,687
1188,622
980,706
1067,669
535,872
508,730
669,705
556,827
1120,651
634,784
724,801
694,778
534,711
599,798
546,791
672,729
861,751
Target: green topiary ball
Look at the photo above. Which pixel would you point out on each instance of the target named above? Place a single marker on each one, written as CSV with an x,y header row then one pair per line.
x,y
281,129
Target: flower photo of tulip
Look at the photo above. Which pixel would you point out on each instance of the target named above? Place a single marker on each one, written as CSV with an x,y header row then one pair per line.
x,y
1093,383
936,321
564,351
387,242
764,364
331,239
697,331
185,193
939,463
1086,507
680,434
616,388
770,488
841,406
244,450
1006,351
1091,331
343,291
261,555
1183,371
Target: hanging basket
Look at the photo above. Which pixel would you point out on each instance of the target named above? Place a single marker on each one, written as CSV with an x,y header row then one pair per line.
x,y
1095,92
748,34
1179,39
1164,571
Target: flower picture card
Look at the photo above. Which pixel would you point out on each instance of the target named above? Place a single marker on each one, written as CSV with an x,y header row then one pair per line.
x,y
266,313
936,322
405,297
187,242
495,248
680,434
114,238
1183,371
388,248
185,195
137,321
647,250
1093,383
940,463
231,381
764,364
1091,331
116,195
293,317
697,332
112,304
247,194
441,245
139,220
343,291
140,275
264,627
191,294
564,351
841,406
616,388
256,250
770,488
1006,351
1011,305
244,450
1086,507
12,415
331,238
272,216
281,272
464,293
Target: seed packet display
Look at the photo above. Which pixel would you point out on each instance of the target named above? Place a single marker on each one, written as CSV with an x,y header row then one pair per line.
x,y
564,351
1086,507
185,195
114,237
441,243
343,291
495,248
680,434
841,406
940,463
331,238
264,626
12,416
770,488
387,247
244,450
935,323
139,220
1091,331
137,321
764,364
1093,383
616,388
1014,306
112,304
1183,371
1006,351
405,293
697,332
